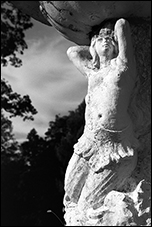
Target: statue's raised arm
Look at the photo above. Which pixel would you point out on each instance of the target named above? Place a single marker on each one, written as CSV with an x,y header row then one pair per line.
x,y
123,36
80,56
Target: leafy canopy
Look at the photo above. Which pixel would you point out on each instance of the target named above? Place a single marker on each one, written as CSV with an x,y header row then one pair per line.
x,y
14,104
13,25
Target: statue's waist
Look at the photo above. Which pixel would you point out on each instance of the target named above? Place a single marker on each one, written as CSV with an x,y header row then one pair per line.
x,y
112,122
105,133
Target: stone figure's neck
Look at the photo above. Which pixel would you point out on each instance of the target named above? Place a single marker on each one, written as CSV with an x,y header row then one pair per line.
x,y
104,61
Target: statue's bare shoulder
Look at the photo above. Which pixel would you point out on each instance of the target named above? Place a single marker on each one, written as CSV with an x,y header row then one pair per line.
x,y
81,58
87,60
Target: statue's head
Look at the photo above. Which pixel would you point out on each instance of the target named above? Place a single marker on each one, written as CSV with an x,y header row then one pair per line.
x,y
103,44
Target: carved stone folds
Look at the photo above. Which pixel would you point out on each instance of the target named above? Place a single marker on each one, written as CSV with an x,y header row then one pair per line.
x,y
104,188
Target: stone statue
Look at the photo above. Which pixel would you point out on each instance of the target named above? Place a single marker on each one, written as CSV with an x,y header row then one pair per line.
x,y
106,182
105,154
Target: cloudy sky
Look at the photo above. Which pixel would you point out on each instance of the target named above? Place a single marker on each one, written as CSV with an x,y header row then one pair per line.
x,y
53,83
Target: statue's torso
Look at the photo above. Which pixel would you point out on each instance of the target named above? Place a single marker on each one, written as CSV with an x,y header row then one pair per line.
x,y
108,97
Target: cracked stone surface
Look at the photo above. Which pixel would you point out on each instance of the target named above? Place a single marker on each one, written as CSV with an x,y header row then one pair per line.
x,y
75,20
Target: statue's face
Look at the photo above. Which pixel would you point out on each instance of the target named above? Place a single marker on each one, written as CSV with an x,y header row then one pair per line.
x,y
105,45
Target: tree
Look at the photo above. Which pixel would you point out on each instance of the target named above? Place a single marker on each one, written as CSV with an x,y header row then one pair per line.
x,y
63,133
32,148
38,173
14,104
38,184
13,25
9,145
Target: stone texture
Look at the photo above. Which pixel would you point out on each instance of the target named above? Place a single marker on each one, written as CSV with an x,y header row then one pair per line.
x,y
118,209
76,20
115,191
31,8
123,209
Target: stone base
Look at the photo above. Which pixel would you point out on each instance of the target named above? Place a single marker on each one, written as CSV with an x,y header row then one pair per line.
x,y
118,209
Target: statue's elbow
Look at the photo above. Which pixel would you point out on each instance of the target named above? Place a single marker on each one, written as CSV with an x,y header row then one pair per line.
x,y
122,23
71,52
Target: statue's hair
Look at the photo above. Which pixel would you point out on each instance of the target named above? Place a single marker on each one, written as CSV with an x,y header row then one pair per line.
x,y
104,32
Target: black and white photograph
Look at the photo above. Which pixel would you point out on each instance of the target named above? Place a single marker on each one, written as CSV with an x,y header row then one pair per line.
x,y
75,113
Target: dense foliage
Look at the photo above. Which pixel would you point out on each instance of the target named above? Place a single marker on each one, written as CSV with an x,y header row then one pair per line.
x,y
15,104
9,145
36,178
13,25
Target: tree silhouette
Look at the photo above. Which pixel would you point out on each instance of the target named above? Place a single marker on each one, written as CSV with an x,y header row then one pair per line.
x,y
38,176
32,148
14,104
9,145
33,176
38,185
63,133
13,25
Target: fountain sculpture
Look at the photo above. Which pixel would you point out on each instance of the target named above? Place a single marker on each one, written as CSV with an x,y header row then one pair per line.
x,y
107,181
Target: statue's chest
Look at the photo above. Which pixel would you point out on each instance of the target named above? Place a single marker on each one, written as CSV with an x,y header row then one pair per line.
x,y
95,81
104,79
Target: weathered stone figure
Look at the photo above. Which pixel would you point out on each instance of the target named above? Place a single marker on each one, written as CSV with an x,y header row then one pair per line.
x,y
108,179
105,154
